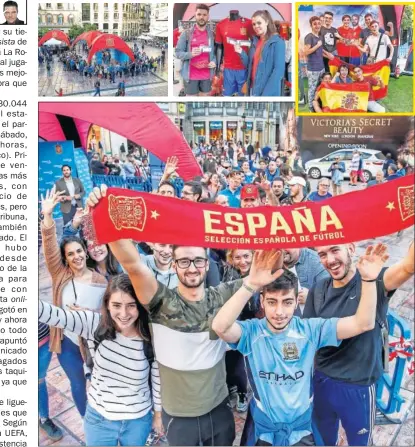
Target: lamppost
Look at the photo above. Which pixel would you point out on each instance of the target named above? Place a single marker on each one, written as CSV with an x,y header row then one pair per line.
x,y
243,127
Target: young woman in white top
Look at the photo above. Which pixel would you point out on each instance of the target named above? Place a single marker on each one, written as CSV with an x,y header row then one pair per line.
x,y
120,399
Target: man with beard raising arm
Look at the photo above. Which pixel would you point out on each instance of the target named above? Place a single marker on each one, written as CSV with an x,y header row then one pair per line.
x,y
345,377
191,358
280,348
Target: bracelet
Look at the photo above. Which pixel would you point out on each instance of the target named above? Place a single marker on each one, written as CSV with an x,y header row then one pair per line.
x,y
369,280
249,289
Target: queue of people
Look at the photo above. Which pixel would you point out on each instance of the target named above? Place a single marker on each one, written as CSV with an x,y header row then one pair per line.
x,y
107,70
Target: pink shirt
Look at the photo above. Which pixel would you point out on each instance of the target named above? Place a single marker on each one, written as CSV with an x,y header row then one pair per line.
x,y
198,64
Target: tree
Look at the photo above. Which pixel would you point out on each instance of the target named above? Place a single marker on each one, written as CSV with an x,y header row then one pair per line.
x,y
74,31
42,31
90,27
407,17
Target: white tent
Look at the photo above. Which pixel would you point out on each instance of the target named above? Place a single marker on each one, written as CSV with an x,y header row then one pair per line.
x,y
54,42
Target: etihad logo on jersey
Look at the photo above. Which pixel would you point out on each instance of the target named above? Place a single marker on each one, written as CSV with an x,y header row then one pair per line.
x,y
281,379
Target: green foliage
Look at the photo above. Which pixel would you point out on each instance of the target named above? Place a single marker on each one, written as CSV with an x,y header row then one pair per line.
x,y
42,31
76,30
407,18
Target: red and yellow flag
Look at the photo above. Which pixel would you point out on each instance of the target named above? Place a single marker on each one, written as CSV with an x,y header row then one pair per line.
x,y
381,69
341,98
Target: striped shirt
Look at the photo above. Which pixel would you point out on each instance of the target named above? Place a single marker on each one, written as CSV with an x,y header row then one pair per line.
x,y
120,379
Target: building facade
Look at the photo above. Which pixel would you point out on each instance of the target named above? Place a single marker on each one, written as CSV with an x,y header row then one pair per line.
x,y
159,20
122,19
252,121
59,15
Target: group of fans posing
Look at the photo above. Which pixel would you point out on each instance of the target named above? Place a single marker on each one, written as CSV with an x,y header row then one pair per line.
x,y
275,324
352,44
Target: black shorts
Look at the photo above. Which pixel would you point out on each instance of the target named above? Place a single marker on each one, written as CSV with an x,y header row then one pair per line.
x,y
196,87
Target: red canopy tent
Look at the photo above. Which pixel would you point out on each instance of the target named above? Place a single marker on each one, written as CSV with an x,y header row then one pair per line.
x,y
108,41
54,34
142,123
88,37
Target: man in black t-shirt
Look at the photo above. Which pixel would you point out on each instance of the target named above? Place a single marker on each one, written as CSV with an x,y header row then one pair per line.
x,y
345,378
329,36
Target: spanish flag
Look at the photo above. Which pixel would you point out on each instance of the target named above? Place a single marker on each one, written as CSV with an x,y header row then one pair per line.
x,y
381,69
344,98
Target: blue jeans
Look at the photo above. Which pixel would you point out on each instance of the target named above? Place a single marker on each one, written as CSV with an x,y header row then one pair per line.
x,y
72,363
44,356
100,431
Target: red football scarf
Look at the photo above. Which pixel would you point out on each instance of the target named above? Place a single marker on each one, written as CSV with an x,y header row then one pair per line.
x,y
374,212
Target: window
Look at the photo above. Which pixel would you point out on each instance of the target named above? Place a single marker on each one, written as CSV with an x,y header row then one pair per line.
x,y
49,5
71,19
95,16
333,156
95,6
86,12
115,26
60,19
116,16
49,19
115,6
105,5
106,16
59,5
105,27
39,19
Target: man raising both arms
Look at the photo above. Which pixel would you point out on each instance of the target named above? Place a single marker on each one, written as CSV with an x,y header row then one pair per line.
x,y
191,362
345,377
280,348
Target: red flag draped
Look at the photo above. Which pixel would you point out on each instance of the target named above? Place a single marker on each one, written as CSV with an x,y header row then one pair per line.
x,y
381,69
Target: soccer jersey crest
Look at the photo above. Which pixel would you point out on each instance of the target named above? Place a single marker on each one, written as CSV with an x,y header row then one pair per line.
x,y
290,351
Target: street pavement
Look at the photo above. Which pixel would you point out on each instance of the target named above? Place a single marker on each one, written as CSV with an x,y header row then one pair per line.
x,y
73,84
64,413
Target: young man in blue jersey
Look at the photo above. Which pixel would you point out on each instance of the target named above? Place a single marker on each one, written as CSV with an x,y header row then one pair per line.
x,y
280,348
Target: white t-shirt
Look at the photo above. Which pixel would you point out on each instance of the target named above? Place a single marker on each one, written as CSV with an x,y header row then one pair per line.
x,y
88,296
71,188
372,42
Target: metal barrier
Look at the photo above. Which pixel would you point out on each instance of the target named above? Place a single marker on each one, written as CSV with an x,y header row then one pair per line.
x,y
391,382
116,181
134,183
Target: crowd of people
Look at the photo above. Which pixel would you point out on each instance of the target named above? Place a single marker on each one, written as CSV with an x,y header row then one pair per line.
x,y
354,45
174,381
109,70
132,164
241,57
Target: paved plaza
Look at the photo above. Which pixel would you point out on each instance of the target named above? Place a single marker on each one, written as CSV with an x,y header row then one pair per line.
x,y
65,414
73,84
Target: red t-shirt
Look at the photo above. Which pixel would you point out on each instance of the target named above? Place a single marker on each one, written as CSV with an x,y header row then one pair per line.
x,y
176,36
240,29
344,50
199,70
372,81
257,58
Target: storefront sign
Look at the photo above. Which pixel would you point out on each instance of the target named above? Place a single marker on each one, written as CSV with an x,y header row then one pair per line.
x,y
197,125
232,124
215,125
